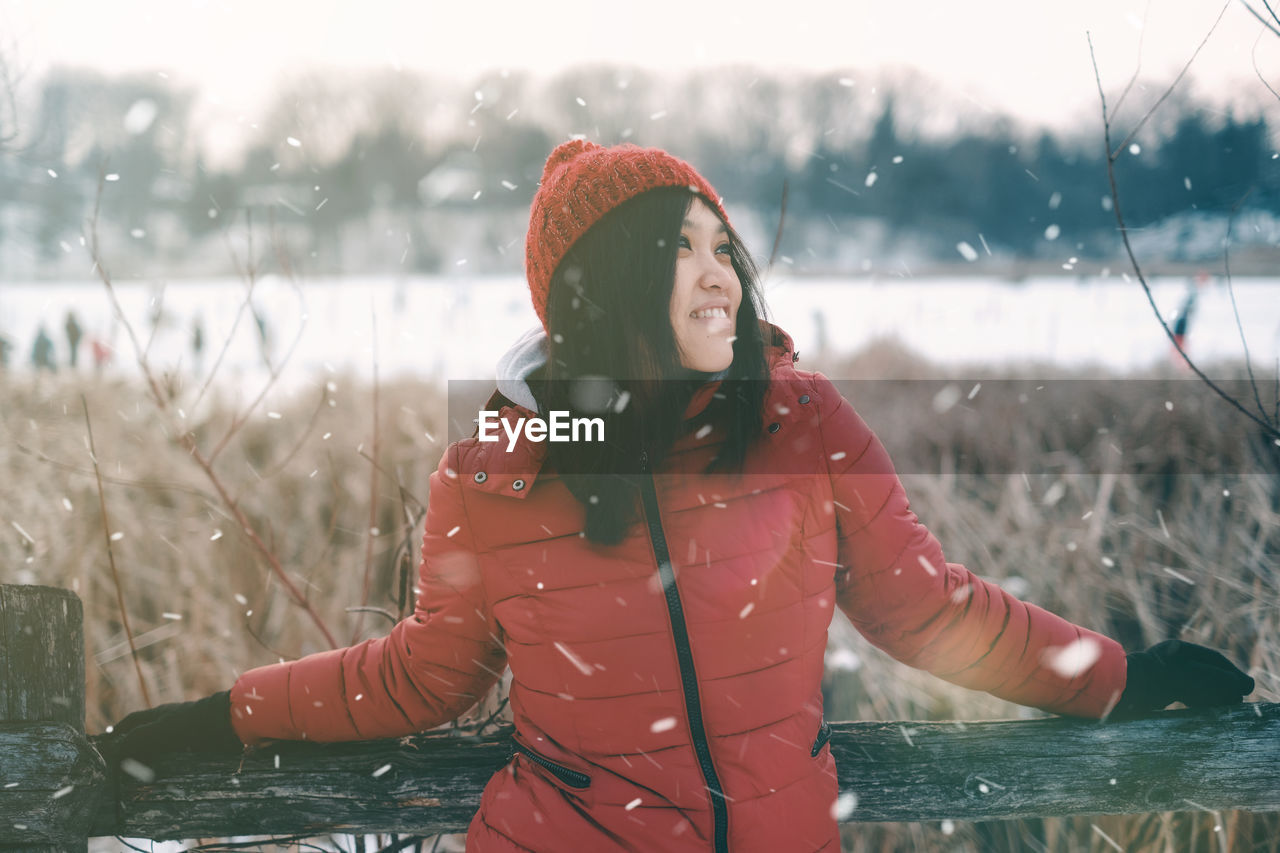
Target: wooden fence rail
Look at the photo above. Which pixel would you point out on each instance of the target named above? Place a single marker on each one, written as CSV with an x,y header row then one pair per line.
x,y
55,791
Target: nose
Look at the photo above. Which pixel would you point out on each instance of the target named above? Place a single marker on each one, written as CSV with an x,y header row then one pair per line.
x,y
714,273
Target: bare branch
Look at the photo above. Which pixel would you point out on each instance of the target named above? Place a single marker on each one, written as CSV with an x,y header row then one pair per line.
x,y
1270,430
782,219
111,558
1272,12
8,104
1263,20
400,485
311,425
115,481
239,420
101,270
1226,258
265,550
249,273
187,439
380,611
371,528
1253,54
1167,92
1142,37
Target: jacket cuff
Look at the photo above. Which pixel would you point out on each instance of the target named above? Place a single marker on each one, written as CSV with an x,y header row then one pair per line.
x,y
258,697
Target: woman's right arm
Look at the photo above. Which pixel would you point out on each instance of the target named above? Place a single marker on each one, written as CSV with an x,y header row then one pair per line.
x,y
432,667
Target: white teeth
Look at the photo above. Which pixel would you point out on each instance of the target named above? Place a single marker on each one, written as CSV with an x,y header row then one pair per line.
x,y
708,313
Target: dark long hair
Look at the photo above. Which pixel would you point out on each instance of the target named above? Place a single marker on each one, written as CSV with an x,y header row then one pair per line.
x,y
613,355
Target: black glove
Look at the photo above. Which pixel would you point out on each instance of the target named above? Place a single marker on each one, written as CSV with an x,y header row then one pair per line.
x,y
200,726
1174,671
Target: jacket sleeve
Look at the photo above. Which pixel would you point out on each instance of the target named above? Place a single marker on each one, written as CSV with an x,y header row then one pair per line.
x,y
432,667
898,590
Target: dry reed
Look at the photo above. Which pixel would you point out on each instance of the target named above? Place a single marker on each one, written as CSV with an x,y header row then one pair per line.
x,y
1104,507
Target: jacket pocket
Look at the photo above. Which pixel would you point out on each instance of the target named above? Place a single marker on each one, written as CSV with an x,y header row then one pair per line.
x,y
572,778
824,735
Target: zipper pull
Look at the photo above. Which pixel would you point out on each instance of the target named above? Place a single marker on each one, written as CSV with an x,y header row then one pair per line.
x,y
644,462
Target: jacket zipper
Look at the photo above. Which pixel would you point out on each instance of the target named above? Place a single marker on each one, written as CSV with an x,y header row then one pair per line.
x,y
570,777
688,678
824,735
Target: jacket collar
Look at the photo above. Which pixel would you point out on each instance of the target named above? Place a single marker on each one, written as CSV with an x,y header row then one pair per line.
x,y
514,473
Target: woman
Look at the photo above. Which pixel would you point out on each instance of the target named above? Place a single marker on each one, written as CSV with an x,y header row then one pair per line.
x,y
663,596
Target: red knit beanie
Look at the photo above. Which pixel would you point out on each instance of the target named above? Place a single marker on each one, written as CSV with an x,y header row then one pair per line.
x,y
583,181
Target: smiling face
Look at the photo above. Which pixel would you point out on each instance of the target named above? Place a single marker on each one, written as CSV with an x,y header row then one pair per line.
x,y
706,292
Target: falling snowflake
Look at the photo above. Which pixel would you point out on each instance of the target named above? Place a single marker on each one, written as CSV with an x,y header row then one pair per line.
x,y
578,662
946,398
1073,659
842,808
843,659
966,251
138,770
665,724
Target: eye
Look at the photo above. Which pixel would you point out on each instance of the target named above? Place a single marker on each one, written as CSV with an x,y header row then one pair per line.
x,y
725,248
683,242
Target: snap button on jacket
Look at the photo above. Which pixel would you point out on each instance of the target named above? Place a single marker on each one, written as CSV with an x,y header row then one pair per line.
x,y
666,690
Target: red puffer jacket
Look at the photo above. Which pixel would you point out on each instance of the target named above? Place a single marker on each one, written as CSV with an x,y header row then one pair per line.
x,y
666,689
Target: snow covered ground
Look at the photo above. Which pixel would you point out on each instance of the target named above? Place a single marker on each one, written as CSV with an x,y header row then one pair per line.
x,y
446,327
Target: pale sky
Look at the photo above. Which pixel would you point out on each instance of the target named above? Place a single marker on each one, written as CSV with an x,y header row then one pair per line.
x,y
1026,57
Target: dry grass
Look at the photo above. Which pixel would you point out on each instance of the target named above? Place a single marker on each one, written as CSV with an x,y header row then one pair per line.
x,y
1142,544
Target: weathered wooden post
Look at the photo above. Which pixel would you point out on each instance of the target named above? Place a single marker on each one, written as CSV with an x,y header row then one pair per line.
x,y
50,777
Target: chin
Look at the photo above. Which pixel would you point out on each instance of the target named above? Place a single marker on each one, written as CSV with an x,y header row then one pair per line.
x,y
713,364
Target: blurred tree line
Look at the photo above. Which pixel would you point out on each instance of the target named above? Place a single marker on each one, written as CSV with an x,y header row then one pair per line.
x,y
378,171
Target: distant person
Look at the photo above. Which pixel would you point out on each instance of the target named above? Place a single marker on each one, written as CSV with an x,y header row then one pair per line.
x,y
101,354
264,335
820,327
6,349
1182,321
42,356
74,333
197,343
665,617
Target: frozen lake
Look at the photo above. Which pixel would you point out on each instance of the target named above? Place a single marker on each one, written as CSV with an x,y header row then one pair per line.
x,y
455,327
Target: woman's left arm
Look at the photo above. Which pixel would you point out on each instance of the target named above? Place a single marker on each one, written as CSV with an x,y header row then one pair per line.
x,y
897,588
